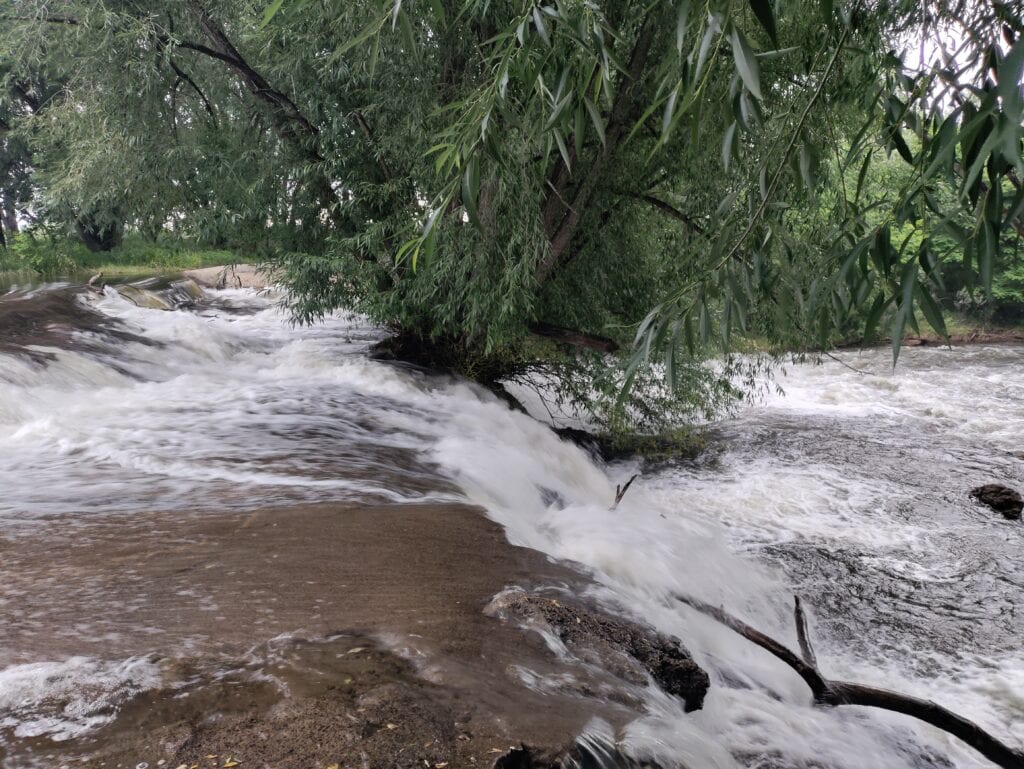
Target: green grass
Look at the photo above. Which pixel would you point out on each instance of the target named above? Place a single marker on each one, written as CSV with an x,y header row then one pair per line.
x,y
50,258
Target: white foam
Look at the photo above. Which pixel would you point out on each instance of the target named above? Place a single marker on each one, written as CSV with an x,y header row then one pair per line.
x,y
62,700
235,402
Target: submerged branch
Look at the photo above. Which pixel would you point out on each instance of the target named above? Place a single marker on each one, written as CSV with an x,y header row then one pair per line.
x,y
836,693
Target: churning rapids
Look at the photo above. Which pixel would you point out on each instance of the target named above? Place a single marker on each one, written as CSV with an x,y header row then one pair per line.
x,y
850,490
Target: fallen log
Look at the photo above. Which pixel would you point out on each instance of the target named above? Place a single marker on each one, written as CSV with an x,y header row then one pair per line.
x,y
835,693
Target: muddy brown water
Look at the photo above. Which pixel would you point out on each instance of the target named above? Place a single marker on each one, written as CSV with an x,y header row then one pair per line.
x,y
219,531
285,605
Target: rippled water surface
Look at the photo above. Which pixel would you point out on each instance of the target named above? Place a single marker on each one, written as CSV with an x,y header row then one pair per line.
x,y
850,490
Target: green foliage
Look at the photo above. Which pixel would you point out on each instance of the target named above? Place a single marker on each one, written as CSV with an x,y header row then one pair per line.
x,y
590,388
672,174
49,257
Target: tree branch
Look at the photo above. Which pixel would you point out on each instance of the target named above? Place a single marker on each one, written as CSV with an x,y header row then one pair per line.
x,y
561,236
620,491
669,210
364,128
288,119
184,76
814,680
802,636
47,19
837,693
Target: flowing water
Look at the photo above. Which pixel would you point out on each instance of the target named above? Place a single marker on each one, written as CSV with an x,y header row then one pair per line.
x,y
851,490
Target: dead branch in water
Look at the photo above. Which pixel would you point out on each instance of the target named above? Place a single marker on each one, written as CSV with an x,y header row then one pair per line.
x,y
620,491
827,692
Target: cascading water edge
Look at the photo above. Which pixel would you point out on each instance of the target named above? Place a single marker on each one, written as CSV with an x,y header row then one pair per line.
x,y
850,491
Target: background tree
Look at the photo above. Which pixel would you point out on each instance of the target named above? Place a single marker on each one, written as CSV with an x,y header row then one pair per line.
x,y
478,175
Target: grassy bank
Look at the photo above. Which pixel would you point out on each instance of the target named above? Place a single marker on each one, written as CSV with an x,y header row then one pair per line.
x,y
44,258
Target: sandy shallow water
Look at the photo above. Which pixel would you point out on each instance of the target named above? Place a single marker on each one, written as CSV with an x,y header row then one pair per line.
x,y
296,614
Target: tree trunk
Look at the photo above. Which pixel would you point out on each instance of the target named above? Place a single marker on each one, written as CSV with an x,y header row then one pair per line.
x,y
98,237
8,217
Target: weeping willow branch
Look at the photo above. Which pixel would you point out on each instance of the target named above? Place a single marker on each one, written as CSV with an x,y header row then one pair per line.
x,y
835,693
794,138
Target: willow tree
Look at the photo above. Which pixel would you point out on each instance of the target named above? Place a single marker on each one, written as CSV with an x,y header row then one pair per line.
x,y
476,173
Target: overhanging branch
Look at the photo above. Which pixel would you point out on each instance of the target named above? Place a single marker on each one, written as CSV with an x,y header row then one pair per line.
x,y
670,210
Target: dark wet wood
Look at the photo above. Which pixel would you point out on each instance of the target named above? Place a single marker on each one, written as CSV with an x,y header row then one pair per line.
x,y
837,693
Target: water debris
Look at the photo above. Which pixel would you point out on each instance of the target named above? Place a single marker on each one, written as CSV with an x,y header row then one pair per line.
x,y
620,491
833,693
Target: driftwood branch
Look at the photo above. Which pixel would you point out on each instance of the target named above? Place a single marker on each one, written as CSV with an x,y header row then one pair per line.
x,y
827,692
802,635
575,338
620,491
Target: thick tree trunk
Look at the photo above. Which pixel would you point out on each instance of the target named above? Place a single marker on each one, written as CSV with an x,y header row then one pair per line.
x,y
98,237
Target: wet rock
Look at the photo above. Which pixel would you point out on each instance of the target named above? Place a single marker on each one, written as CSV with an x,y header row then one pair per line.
x,y
186,292
585,753
629,650
1002,499
143,298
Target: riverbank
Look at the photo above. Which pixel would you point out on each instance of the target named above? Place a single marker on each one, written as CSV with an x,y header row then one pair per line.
x,y
292,637
231,276
222,535
42,259
962,330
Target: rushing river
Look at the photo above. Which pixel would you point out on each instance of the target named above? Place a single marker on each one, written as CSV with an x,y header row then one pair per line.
x,y
851,490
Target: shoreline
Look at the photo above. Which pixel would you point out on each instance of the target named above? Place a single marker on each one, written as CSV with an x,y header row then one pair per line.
x,y
242,275
349,634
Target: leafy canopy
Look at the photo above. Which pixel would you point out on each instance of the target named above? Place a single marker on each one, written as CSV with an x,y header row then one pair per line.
x,y
674,175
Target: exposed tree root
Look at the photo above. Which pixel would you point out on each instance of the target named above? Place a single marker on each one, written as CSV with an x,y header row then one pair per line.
x,y
827,692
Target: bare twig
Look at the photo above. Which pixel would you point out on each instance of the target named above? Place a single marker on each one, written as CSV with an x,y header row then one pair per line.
x,y
620,491
842,362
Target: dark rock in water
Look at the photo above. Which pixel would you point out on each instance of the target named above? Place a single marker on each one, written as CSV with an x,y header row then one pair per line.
x,y
624,647
611,448
1002,499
